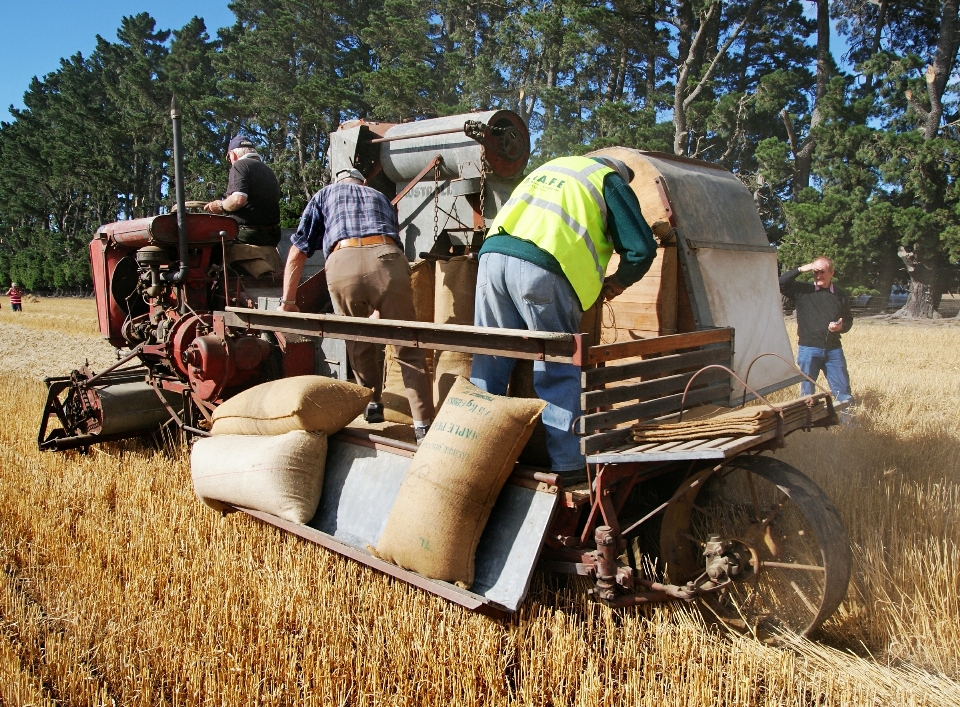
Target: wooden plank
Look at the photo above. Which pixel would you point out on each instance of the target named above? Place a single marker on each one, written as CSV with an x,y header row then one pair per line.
x,y
694,443
597,421
648,390
686,455
604,440
667,303
715,442
662,344
516,343
655,366
662,447
633,317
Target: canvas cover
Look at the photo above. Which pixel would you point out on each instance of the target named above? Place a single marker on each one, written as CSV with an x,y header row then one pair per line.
x,y
730,269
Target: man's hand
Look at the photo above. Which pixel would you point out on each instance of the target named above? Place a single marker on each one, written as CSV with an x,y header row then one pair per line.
x,y
806,268
214,207
612,287
836,326
284,307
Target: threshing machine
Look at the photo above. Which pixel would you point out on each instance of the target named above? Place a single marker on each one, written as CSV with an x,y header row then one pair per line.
x,y
714,520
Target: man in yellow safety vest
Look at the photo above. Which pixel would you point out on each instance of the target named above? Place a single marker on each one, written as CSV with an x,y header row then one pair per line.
x,y
544,263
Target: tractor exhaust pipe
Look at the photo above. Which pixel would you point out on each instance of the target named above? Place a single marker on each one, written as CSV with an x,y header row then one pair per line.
x,y
180,277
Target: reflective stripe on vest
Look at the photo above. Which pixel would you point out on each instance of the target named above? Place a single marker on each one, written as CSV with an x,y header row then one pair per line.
x,y
559,207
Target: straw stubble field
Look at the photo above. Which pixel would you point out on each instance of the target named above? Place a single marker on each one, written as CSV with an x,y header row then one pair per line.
x,y
119,587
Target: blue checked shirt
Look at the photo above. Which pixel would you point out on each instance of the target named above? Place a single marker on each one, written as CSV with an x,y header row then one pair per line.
x,y
344,210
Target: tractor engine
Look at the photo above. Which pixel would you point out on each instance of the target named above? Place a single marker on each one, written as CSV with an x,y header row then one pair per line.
x,y
188,360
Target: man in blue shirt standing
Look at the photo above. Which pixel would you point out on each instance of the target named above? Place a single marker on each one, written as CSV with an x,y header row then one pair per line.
x,y
367,272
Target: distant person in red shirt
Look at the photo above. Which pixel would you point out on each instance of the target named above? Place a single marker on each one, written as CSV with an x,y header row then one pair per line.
x,y
16,297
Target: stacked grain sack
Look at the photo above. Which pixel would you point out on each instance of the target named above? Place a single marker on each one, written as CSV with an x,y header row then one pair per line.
x,y
396,406
454,480
456,293
268,445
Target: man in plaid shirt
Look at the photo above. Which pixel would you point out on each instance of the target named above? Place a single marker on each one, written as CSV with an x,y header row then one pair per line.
x,y
367,272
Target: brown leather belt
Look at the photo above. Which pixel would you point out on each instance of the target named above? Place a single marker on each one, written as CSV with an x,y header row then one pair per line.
x,y
365,240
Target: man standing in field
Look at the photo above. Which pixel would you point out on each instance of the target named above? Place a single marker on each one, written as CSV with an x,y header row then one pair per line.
x,y
16,297
544,263
367,272
253,196
823,314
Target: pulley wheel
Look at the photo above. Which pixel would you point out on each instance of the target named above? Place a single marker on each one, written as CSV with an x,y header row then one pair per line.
x,y
781,529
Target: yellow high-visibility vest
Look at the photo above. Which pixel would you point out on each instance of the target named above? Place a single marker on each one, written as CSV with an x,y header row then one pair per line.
x,y
559,207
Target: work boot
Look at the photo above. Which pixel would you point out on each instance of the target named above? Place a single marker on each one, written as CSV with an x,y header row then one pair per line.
x,y
420,431
374,412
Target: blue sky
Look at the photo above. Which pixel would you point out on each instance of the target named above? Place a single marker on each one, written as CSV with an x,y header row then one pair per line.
x,y
35,34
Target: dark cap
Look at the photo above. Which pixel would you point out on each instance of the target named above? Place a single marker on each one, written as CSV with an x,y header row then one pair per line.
x,y
241,141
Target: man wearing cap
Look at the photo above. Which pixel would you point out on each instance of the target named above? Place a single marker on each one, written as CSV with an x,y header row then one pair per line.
x,y
367,272
253,196
544,263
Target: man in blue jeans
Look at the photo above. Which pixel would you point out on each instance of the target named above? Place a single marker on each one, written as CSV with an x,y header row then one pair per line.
x,y
544,263
823,314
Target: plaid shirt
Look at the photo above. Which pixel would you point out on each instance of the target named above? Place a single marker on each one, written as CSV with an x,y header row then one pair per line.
x,y
344,210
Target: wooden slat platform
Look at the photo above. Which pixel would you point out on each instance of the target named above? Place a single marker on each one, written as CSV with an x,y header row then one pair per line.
x,y
718,448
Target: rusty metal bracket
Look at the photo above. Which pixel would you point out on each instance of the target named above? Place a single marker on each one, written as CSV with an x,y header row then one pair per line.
x,y
435,162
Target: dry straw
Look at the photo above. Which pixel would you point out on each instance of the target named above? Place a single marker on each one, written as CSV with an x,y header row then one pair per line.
x,y
119,587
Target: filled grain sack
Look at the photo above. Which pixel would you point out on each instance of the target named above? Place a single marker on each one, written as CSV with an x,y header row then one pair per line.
x,y
422,280
312,403
280,474
456,290
396,405
454,480
449,365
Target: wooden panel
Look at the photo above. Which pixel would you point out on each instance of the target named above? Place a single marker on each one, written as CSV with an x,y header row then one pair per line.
x,y
648,390
652,408
685,320
667,304
605,440
649,306
661,344
655,366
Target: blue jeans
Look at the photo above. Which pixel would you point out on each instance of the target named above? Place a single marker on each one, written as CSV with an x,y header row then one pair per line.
x,y
515,294
812,360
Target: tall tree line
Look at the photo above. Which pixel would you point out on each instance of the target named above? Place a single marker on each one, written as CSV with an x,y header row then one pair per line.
x,y
858,163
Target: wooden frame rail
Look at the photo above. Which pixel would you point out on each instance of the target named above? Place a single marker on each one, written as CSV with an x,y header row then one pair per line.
x,y
516,343
655,383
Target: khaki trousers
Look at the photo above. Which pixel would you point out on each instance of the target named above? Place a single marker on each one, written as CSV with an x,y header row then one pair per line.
x,y
368,279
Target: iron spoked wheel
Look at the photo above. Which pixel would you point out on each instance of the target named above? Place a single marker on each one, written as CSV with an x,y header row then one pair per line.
x,y
778,534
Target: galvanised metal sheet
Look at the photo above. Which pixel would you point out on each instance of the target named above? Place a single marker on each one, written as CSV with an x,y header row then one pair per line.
x,y
360,488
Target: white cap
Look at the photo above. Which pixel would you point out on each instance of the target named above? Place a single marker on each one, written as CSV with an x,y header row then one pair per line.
x,y
349,173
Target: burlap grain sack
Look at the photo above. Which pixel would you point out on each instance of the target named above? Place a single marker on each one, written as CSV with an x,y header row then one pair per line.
x,y
456,290
396,405
536,452
312,403
281,474
453,482
422,280
449,365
